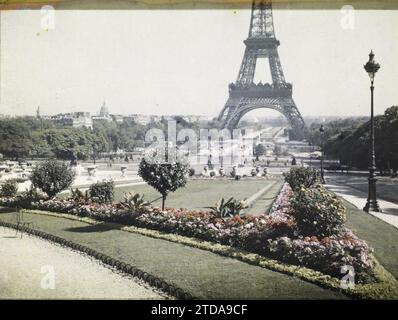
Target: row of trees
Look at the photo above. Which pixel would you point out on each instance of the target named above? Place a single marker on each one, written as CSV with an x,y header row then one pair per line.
x,y
351,146
30,137
333,128
23,137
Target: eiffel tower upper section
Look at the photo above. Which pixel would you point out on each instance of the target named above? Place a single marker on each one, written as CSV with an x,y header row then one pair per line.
x,y
261,42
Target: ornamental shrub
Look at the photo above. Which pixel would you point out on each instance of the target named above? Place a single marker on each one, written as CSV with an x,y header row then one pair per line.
x,y
52,177
102,192
298,177
229,208
9,188
32,194
318,212
134,201
163,176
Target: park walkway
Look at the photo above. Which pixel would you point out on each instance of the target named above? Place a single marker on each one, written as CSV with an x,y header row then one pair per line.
x,y
32,268
201,273
358,199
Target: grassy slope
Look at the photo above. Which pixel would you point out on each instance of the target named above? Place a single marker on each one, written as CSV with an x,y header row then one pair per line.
x,y
264,203
198,193
379,234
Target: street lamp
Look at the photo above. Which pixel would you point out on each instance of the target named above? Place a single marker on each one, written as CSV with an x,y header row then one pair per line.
x,y
371,68
322,131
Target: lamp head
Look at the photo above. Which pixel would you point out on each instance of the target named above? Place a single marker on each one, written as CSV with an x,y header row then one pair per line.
x,y
371,66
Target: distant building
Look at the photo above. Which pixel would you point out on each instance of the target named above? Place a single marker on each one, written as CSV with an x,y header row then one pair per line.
x,y
117,117
139,118
104,114
74,119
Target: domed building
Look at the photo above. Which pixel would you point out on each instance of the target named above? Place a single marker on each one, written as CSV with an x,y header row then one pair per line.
x,y
104,112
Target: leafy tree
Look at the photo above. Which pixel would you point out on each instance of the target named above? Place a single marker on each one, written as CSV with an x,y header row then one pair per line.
x,y
333,128
163,176
14,138
351,146
9,188
52,177
102,192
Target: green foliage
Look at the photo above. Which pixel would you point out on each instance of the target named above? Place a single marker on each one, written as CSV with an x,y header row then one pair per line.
x,y
318,212
9,188
75,143
39,138
230,208
298,177
102,192
78,195
52,177
351,145
333,128
164,177
134,201
32,194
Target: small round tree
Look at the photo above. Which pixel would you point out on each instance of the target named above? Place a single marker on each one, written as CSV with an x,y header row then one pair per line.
x,y
163,176
52,177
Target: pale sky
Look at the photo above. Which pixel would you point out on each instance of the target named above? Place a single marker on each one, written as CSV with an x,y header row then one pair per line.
x,y
181,61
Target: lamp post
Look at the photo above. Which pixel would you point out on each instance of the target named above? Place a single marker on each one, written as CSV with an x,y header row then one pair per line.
x,y
322,131
371,68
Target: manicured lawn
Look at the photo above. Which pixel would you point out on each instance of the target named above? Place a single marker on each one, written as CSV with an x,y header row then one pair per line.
x,y
198,194
263,204
203,274
378,234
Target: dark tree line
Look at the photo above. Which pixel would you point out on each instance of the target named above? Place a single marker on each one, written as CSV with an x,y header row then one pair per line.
x,y
29,137
351,146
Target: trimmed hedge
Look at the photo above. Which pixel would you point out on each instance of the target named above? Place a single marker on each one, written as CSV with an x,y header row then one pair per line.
x,y
302,177
102,192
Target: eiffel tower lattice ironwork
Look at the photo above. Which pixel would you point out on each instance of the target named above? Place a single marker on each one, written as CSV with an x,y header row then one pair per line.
x,y
244,94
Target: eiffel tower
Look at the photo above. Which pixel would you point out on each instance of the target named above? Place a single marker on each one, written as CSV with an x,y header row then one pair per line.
x,y
244,94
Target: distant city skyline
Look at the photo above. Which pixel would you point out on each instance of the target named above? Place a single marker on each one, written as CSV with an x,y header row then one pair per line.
x,y
181,62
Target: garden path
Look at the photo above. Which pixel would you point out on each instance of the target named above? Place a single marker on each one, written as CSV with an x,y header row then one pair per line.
x,y
32,268
358,199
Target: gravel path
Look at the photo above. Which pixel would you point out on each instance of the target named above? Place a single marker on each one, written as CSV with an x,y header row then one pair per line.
x,y
29,265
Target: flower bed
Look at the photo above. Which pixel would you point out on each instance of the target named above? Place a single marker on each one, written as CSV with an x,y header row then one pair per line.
x,y
274,235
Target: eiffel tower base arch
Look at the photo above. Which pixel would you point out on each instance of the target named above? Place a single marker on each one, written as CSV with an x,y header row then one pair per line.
x,y
235,109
